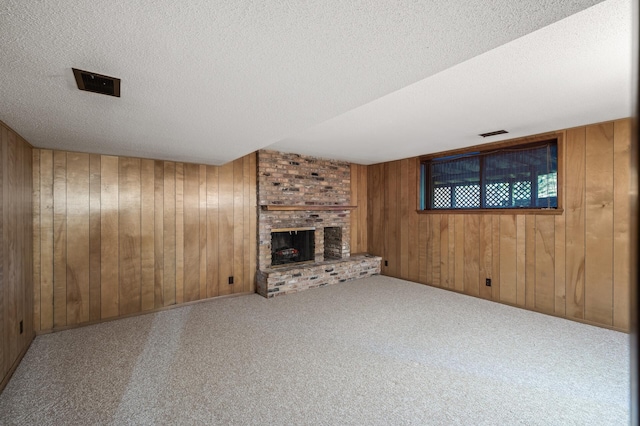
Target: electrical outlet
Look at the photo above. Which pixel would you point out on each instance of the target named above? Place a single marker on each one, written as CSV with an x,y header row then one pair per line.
x,y
488,282
386,263
231,280
21,327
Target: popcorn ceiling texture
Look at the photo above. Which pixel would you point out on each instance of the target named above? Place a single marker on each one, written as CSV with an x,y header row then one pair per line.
x,y
208,82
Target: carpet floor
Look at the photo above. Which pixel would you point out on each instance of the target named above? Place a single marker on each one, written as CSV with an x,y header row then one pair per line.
x,y
377,351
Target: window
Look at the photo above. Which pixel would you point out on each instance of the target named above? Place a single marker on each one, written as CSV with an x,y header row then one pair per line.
x,y
508,178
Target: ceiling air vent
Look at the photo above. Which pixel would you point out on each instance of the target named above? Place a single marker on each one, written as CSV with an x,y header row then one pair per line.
x,y
92,82
497,132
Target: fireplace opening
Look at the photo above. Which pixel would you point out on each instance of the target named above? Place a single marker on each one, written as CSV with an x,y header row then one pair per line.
x,y
292,245
332,242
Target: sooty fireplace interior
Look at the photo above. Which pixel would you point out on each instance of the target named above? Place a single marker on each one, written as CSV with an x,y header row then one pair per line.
x,y
292,245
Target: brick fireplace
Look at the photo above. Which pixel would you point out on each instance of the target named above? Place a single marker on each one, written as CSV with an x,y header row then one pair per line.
x,y
298,192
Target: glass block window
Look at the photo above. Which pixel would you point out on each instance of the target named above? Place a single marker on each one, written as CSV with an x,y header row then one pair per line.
x,y
513,177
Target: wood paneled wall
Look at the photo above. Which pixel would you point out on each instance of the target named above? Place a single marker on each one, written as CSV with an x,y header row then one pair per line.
x,y
16,285
573,265
117,235
359,216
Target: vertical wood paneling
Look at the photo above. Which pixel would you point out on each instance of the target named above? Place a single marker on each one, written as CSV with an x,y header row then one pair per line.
x,y
191,232
485,264
451,252
238,227
37,266
404,229
59,238
422,244
459,253
435,251
158,234
471,254
46,239
545,264
20,246
121,217
203,229
508,259
213,270
575,222
94,237
573,263
520,260
169,233
147,228
225,228
495,258
78,250
530,261
444,251
109,248
253,219
179,229
621,220
599,224
412,220
129,236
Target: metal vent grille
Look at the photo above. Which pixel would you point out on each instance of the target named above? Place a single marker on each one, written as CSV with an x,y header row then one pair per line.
x,y
497,132
97,83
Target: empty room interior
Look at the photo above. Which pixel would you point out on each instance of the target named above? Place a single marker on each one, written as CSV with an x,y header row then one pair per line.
x,y
316,212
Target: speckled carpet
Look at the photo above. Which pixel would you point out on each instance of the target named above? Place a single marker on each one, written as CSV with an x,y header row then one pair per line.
x,y
377,351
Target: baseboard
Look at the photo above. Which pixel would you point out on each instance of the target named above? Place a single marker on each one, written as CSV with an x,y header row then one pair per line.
x,y
136,314
13,368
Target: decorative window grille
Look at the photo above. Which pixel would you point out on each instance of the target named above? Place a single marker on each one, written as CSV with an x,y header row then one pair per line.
x,y
508,178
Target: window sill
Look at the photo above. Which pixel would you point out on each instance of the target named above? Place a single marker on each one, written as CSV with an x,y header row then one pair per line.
x,y
551,212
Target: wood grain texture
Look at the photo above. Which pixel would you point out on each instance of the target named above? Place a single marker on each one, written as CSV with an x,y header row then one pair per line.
x,y
46,239
459,253
109,248
213,270
37,266
191,232
94,237
129,236
575,222
238,227
132,227
169,233
179,290
253,219
59,238
18,183
158,234
78,262
225,228
598,286
147,230
621,221
486,256
202,213
404,228
444,251
536,260
422,251
544,287
472,254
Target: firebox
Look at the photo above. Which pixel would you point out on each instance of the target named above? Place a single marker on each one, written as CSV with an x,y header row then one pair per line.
x,y
292,245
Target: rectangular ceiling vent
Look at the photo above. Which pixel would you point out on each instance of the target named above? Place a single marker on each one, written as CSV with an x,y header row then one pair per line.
x,y
497,132
97,83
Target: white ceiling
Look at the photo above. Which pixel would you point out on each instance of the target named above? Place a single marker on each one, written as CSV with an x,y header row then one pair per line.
x,y
363,81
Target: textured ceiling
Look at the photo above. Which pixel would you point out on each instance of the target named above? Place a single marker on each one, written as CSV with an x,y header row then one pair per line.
x,y
210,81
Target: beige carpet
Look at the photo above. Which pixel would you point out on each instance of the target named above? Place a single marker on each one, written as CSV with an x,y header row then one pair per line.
x,y
377,351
